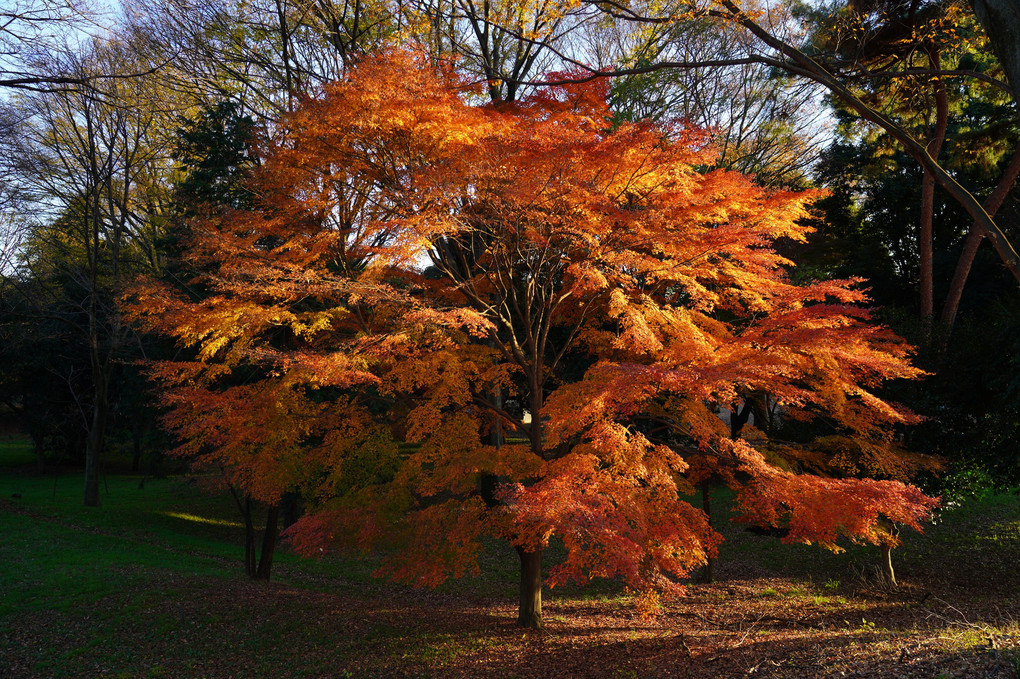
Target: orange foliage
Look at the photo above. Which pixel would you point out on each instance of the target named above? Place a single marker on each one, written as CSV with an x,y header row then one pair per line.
x,y
588,290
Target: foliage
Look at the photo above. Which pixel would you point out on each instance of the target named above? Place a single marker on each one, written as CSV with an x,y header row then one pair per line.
x,y
875,191
551,234
213,151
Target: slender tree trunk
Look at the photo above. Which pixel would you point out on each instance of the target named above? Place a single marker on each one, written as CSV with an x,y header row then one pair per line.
x,y
269,543
94,439
249,540
94,442
487,482
926,250
530,612
887,567
927,233
708,573
285,47
40,453
963,265
291,509
136,447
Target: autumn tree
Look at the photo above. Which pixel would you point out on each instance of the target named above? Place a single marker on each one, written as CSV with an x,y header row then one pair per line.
x,y
587,275
259,436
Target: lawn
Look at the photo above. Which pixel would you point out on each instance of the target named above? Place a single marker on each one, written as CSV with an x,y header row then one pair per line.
x,y
151,585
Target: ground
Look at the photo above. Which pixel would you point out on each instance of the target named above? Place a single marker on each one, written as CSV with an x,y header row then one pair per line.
x,y
152,585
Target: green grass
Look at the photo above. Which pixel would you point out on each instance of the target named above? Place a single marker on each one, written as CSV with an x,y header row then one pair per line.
x,y
15,452
151,584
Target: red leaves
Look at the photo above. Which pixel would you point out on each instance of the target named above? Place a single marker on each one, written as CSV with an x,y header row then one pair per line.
x,y
552,238
623,520
821,510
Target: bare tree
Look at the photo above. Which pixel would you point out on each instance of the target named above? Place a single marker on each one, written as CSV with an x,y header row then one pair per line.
x,y
764,122
32,32
91,163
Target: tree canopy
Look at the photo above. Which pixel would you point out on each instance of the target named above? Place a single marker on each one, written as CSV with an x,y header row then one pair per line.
x,y
417,269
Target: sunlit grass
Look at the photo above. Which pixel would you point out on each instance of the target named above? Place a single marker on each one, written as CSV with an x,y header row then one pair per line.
x,y
15,452
201,519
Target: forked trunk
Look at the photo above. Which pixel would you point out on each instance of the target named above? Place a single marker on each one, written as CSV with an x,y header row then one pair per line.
x,y
530,614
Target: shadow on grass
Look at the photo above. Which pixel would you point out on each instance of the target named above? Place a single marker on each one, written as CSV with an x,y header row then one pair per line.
x,y
138,590
175,625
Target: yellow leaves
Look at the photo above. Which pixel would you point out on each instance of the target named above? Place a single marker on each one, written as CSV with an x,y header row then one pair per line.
x,y
327,356
637,336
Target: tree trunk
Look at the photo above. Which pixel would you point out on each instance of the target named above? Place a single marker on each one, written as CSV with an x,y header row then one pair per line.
x,y
269,543
291,509
1001,21
249,540
926,248
94,445
136,447
708,573
887,568
963,265
970,247
40,453
926,242
530,612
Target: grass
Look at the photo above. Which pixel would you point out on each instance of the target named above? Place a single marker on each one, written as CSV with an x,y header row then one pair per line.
x,y
15,452
151,585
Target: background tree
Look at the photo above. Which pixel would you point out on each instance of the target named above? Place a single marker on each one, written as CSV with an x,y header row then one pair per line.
x,y
773,49
91,161
764,122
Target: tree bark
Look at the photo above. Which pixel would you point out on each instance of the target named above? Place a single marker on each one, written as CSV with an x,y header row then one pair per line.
x,y
136,447
887,567
927,250
94,444
926,244
40,453
269,543
708,573
970,246
530,611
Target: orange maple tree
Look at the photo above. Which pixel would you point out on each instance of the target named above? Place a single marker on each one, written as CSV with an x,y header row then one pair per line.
x,y
548,310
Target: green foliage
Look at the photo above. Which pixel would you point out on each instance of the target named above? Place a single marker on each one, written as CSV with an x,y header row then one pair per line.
x,y
868,227
214,154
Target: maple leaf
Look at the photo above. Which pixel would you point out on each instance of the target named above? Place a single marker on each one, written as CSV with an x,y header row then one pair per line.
x,y
591,301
